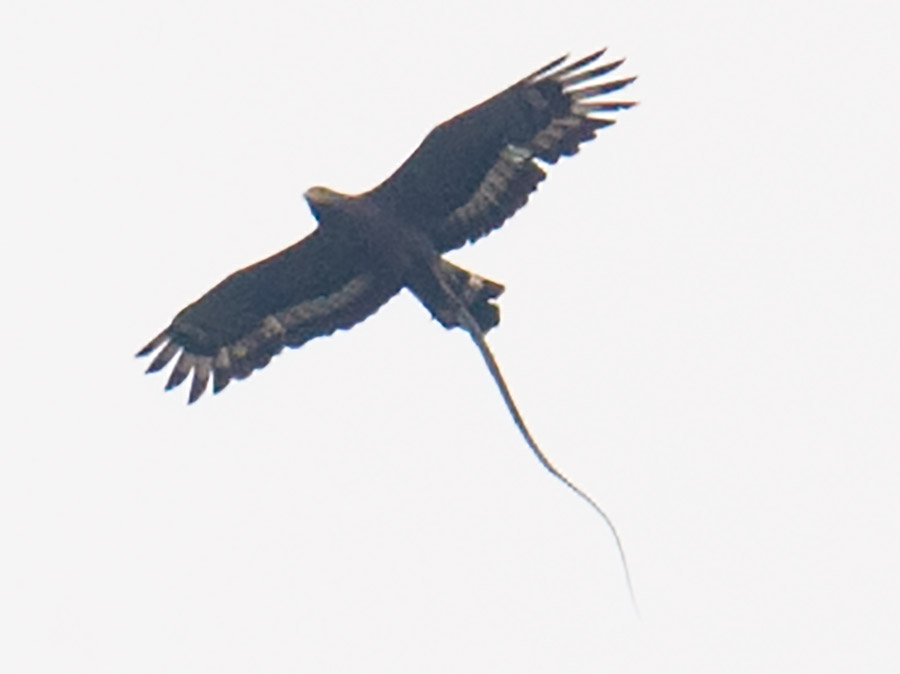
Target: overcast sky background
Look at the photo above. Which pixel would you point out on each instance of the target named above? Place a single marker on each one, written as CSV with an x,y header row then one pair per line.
x,y
700,326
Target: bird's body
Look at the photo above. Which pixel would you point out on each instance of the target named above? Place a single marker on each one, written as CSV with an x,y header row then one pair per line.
x,y
468,176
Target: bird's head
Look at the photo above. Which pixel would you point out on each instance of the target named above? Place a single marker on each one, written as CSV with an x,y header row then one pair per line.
x,y
321,198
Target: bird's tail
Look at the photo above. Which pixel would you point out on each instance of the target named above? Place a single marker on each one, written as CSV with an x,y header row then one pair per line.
x,y
475,292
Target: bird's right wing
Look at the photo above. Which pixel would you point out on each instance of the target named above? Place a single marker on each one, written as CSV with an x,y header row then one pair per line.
x,y
309,290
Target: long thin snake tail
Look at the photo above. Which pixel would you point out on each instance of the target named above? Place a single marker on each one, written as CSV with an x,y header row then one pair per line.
x,y
475,332
470,325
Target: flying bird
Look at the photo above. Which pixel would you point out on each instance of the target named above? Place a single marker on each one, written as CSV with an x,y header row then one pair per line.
x,y
468,176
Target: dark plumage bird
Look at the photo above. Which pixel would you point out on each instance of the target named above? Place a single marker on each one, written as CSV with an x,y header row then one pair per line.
x,y
467,177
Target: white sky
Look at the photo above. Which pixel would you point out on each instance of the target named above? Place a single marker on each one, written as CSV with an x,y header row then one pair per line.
x,y
700,325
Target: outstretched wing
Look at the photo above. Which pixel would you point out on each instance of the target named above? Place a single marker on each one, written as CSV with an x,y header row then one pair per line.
x,y
475,170
311,289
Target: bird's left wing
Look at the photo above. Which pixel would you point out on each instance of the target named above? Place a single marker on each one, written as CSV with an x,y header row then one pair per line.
x,y
309,290
475,170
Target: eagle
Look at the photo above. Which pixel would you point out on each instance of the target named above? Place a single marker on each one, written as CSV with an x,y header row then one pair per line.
x,y
469,175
